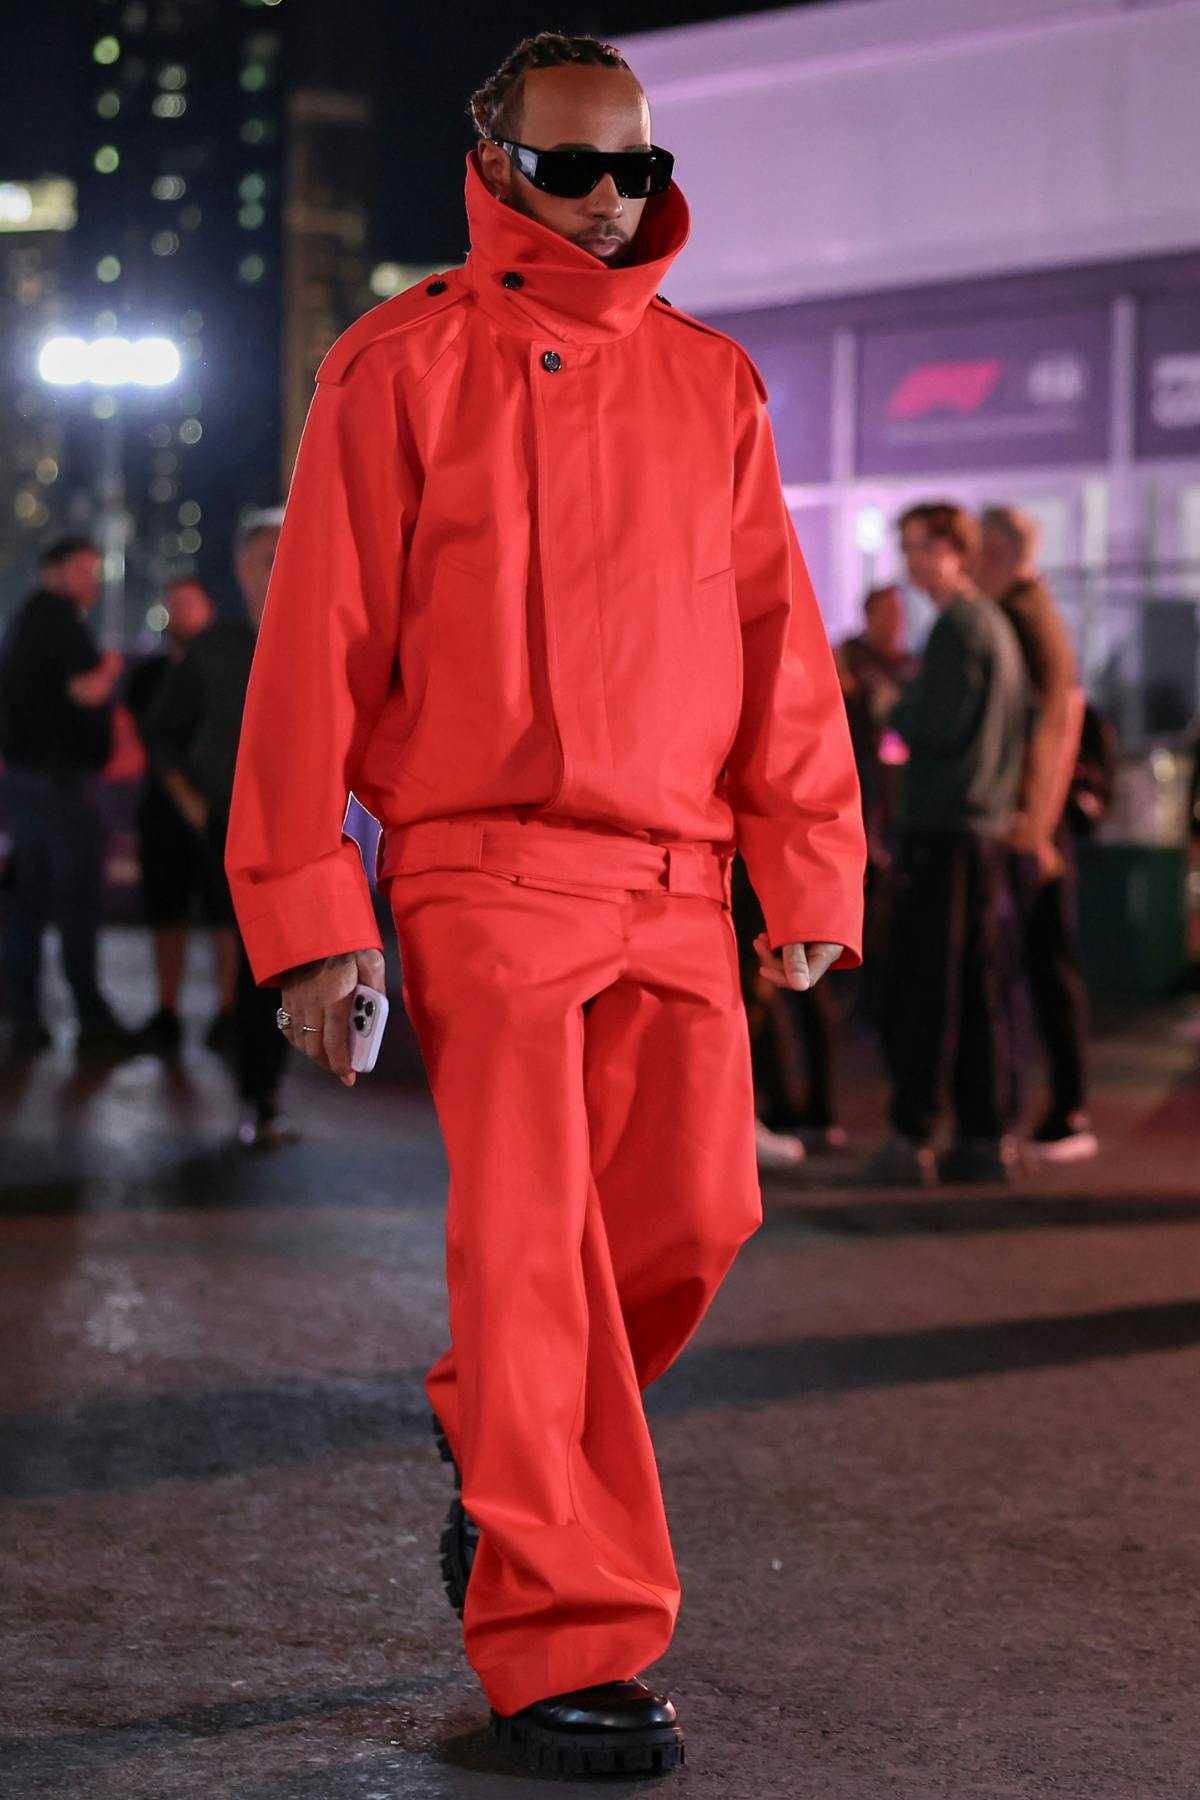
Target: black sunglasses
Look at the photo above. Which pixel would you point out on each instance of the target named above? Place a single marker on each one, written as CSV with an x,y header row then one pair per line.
x,y
570,174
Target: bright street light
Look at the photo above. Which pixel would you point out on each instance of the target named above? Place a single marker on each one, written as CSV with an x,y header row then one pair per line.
x,y
109,362
106,363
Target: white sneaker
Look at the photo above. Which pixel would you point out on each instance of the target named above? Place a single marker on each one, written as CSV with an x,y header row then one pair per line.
x,y
1064,1138
776,1149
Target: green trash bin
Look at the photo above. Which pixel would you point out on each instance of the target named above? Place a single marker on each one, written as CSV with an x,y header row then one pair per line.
x,y
1133,917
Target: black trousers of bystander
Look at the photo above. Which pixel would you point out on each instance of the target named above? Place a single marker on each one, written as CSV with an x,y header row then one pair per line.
x,y
1046,913
945,1021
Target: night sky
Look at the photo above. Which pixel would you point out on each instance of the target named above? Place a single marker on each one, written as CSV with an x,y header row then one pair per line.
x,y
433,56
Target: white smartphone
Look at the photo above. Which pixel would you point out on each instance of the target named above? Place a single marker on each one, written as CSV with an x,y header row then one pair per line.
x,y
368,1016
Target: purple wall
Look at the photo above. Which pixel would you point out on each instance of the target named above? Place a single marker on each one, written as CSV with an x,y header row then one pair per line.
x,y
798,372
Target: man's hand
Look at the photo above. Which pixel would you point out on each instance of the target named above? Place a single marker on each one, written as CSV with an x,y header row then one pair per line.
x,y
189,800
800,966
318,994
95,687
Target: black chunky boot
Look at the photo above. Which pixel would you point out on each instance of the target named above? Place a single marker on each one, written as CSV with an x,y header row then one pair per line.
x,y
616,1728
460,1535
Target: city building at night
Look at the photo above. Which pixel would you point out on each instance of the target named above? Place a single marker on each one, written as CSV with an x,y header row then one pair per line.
x,y
36,220
180,235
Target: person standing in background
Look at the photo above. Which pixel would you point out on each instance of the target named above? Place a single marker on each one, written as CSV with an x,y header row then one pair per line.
x,y
195,728
1044,868
56,692
965,720
177,872
875,668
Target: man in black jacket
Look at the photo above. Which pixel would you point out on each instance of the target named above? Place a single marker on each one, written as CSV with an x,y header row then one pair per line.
x,y
965,720
56,735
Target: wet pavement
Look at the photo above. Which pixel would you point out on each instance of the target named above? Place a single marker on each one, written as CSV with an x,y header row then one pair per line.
x,y
931,1463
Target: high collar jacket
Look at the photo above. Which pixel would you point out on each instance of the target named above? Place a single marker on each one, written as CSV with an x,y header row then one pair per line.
x,y
536,556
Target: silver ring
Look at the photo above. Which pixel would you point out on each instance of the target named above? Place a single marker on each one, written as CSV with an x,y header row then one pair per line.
x,y
284,1019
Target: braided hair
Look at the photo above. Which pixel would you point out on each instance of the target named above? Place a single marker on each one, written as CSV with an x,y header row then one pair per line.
x,y
496,106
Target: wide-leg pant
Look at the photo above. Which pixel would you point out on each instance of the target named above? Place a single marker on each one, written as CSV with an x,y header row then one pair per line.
x,y
589,1062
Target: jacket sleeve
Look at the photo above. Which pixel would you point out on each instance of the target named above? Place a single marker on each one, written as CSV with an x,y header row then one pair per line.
x,y
939,713
791,778
1051,668
325,660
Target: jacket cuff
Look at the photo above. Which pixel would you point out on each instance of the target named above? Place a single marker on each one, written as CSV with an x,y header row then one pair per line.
x,y
803,905
323,910
816,922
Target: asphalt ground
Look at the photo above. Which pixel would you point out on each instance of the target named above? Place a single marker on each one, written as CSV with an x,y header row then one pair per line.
x,y
931,1463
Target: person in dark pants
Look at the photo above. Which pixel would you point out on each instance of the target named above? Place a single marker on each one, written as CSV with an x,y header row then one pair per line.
x,y
965,720
179,883
195,728
56,692
1043,862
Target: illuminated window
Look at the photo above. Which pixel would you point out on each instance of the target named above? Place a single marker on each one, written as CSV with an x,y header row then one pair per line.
x,y
164,243
168,106
251,217
252,187
109,268
168,187
106,159
172,76
106,50
108,104
251,268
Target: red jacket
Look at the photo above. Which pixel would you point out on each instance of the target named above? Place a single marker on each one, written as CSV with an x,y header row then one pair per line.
x,y
536,554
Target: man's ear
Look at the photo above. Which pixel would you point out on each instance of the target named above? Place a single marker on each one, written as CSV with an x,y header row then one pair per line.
x,y
496,170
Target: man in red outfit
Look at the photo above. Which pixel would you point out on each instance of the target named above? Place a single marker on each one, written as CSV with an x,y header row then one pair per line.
x,y
539,603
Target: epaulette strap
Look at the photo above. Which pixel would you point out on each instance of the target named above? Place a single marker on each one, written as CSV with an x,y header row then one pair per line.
x,y
711,330
401,313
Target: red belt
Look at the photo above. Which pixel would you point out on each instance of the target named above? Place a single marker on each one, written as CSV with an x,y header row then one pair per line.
x,y
541,852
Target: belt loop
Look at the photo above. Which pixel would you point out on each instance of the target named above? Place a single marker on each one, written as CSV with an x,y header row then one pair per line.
x,y
465,842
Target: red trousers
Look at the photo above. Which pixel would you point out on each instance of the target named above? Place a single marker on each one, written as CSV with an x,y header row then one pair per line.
x,y
576,998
